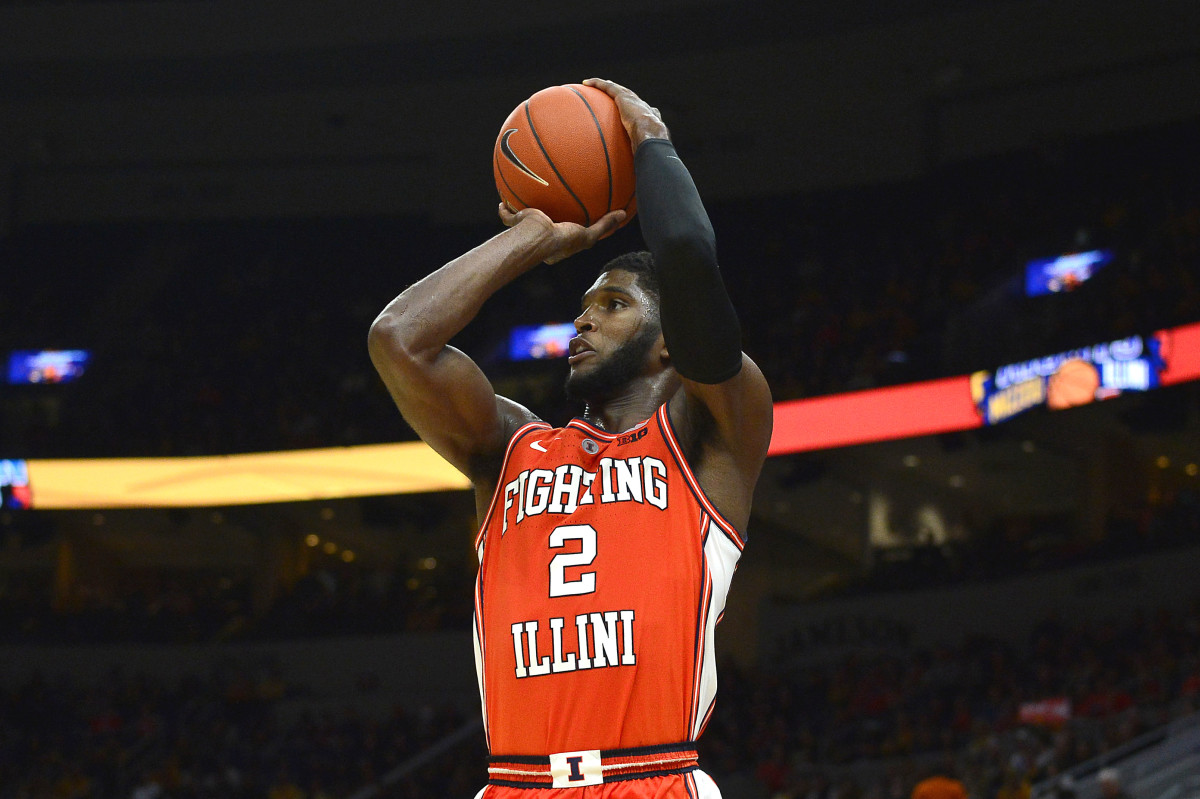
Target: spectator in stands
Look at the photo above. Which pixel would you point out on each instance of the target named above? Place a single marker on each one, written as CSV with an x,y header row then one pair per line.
x,y
939,786
1015,785
1064,787
1109,780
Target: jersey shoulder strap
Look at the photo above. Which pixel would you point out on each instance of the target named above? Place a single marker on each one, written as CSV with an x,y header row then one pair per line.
x,y
521,432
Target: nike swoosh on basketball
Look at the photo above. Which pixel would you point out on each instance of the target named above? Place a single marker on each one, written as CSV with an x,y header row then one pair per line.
x,y
537,445
511,156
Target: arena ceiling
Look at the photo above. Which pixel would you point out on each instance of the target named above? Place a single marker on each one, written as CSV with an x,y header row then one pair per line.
x,y
111,48
202,110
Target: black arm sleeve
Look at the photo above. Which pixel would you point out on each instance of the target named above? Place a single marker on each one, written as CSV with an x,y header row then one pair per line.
x,y
699,323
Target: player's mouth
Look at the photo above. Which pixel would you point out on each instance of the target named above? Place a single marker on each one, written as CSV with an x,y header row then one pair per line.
x,y
578,349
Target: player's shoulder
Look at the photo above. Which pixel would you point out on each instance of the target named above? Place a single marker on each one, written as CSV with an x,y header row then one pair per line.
x,y
486,463
515,419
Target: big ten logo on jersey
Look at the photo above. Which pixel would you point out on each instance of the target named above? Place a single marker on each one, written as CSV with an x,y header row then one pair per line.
x,y
629,438
640,479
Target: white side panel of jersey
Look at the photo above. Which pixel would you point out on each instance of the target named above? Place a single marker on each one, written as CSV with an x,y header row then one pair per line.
x,y
479,671
722,556
478,647
704,786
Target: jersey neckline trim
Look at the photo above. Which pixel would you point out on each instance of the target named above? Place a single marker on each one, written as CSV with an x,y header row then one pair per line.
x,y
591,429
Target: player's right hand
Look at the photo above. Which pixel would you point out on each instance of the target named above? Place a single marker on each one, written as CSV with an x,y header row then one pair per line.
x,y
562,239
642,121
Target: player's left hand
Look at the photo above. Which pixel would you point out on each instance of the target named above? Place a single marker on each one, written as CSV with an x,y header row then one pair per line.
x,y
642,121
562,239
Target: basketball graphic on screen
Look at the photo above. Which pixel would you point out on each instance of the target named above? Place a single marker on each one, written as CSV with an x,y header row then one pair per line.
x,y
565,152
1074,383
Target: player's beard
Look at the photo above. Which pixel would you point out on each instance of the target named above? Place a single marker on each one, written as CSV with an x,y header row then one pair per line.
x,y
625,363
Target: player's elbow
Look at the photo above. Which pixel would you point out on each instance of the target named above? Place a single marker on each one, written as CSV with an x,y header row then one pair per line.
x,y
690,245
390,341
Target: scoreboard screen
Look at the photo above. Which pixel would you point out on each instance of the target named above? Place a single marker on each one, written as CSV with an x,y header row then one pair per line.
x,y
540,341
1063,272
15,493
46,366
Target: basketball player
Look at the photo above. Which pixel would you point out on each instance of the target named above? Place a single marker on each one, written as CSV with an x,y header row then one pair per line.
x,y
606,546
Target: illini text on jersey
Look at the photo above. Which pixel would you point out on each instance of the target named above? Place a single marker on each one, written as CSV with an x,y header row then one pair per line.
x,y
605,628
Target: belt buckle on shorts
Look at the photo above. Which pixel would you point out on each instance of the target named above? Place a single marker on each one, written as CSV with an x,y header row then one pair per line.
x,y
576,769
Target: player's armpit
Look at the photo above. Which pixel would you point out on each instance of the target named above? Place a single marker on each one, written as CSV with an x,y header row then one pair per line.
x,y
724,430
734,417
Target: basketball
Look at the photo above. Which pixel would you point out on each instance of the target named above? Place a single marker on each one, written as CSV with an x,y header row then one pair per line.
x,y
565,152
1074,383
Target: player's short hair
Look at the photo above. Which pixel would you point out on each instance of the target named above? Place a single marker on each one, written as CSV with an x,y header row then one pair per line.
x,y
641,265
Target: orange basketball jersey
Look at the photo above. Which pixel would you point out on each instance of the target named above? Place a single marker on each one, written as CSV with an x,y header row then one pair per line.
x,y
603,573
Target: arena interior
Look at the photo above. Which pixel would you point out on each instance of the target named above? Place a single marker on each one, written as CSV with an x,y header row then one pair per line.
x,y
214,199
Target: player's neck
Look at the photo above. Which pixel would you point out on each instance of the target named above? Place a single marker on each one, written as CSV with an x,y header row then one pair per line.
x,y
634,404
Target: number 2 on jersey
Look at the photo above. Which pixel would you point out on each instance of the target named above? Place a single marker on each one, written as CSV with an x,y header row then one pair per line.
x,y
559,584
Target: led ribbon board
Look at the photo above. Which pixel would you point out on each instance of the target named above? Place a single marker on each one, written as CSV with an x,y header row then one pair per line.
x,y
1167,358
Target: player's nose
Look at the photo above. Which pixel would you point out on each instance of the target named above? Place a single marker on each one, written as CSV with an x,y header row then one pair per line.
x,y
584,323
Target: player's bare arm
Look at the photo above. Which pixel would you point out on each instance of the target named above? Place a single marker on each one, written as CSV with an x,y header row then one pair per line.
x,y
439,390
723,410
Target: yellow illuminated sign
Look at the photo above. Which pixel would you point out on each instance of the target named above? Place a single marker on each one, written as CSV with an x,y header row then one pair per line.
x,y
261,477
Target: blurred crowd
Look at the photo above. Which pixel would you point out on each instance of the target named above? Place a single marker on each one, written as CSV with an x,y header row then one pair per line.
x,y
925,279
861,726
241,731
205,607
338,598
957,709
231,337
